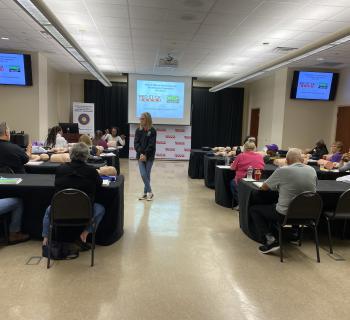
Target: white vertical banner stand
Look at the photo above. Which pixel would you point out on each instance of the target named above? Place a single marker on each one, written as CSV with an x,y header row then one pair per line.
x,y
84,115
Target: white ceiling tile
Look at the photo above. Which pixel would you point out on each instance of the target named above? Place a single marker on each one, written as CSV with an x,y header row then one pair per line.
x,y
109,2
117,32
318,12
236,6
299,24
223,19
344,16
71,6
103,10
310,36
144,13
330,26
112,22
283,34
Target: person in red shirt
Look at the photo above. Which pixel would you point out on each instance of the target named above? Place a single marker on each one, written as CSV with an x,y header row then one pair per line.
x,y
249,158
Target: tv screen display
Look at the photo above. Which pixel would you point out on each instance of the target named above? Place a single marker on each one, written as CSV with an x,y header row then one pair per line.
x,y
309,85
15,69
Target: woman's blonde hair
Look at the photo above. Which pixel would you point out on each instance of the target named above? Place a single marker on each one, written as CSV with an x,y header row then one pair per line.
x,y
249,146
148,120
86,139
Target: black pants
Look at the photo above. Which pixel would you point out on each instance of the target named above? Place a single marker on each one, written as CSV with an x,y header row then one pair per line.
x,y
266,219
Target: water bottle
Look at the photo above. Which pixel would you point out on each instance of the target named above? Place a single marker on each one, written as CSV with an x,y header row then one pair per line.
x,y
227,160
250,172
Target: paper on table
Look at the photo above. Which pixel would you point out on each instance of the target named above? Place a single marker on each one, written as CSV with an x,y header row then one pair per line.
x,y
111,148
109,154
34,163
248,179
258,184
224,167
106,183
10,180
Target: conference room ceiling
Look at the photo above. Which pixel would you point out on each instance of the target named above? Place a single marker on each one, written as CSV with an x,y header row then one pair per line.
x,y
211,39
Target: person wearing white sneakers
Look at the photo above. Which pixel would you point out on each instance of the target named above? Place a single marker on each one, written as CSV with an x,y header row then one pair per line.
x,y
145,147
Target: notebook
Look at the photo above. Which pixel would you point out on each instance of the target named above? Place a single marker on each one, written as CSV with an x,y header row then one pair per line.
x,y
10,180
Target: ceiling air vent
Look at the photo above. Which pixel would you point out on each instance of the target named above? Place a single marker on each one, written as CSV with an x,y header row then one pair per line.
x,y
284,49
168,62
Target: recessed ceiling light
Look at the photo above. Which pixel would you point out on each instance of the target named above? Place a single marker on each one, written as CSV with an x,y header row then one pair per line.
x,y
266,43
5,38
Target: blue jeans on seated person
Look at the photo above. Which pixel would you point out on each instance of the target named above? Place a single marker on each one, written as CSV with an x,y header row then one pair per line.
x,y
234,190
15,206
98,213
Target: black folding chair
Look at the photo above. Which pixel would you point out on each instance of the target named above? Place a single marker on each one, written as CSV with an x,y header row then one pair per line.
x,y
341,212
71,208
305,210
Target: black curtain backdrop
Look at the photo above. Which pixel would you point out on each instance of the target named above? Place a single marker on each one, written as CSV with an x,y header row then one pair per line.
x,y
217,117
111,107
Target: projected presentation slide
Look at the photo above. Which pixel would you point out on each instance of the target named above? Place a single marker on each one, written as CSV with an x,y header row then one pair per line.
x,y
314,85
161,99
12,69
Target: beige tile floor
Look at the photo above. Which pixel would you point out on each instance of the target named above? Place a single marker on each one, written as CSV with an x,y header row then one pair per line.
x,y
182,257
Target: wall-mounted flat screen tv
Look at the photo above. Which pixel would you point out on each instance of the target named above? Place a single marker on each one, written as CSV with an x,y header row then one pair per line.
x,y
309,85
15,69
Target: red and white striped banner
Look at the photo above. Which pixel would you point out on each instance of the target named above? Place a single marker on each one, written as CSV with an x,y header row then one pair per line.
x,y
173,142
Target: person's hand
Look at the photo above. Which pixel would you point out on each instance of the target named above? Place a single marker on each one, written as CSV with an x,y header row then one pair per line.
x,y
143,157
329,165
123,136
106,131
29,149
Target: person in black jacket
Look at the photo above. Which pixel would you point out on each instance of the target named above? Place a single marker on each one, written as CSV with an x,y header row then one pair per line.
x,y
11,155
77,175
318,151
145,147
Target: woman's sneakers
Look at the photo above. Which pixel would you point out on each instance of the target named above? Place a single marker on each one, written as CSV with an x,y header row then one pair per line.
x,y
143,196
149,196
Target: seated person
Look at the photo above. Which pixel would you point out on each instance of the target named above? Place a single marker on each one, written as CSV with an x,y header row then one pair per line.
x,y
98,140
114,140
271,153
336,152
106,135
318,151
55,139
94,150
249,158
343,165
289,181
15,207
78,175
11,155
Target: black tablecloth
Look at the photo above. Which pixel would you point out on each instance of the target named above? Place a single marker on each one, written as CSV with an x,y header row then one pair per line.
x,y
209,169
250,195
223,194
50,167
36,190
196,163
321,175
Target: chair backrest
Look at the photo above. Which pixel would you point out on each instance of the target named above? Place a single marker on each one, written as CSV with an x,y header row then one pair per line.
x,y
71,204
6,169
343,205
307,205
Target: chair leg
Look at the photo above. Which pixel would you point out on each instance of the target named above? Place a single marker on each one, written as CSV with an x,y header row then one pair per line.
x,y
280,242
49,247
344,229
93,246
316,242
6,231
301,235
329,236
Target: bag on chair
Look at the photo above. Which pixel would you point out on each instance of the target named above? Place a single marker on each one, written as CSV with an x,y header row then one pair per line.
x,y
60,251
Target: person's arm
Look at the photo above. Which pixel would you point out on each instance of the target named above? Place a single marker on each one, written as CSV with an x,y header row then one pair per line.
x,y
234,164
137,143
98,179
273,181
121,141
345,167
25,155
151,142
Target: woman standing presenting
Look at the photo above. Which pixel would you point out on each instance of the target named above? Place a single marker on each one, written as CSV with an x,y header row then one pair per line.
x,y
145,147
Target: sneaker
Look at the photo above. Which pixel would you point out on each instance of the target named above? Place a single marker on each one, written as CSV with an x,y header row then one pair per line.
x,y
83,246
266,248
17,237
143,196
236,208
149,196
